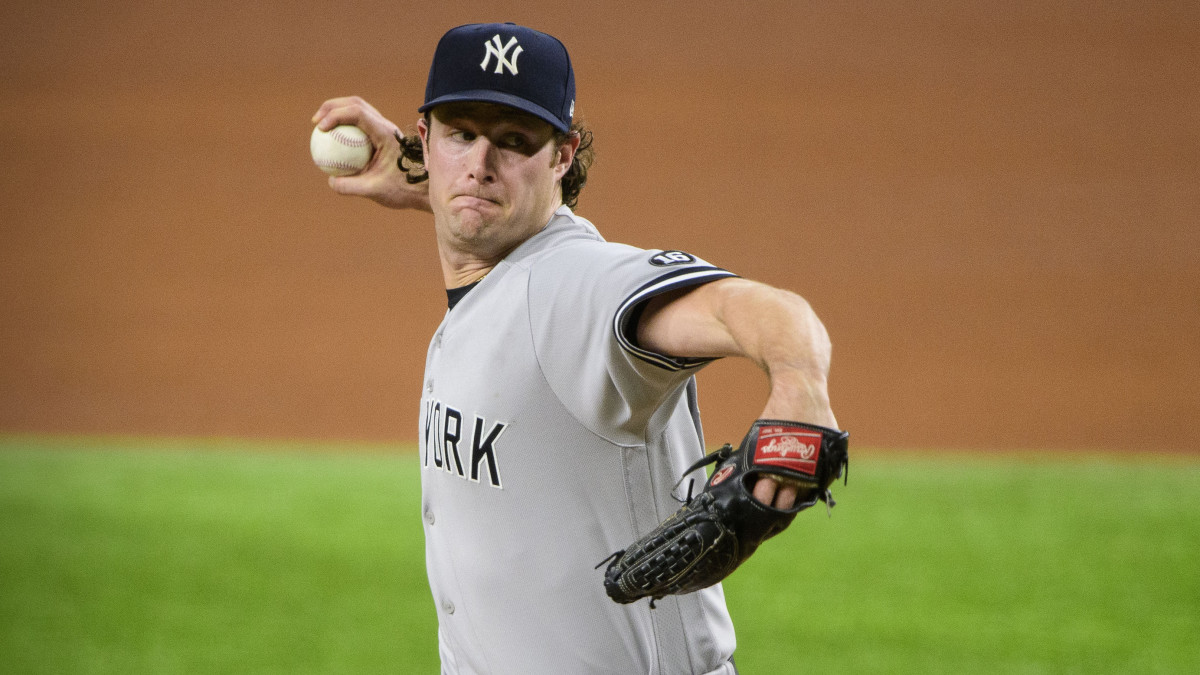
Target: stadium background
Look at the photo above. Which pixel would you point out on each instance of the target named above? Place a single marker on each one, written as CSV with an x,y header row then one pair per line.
x,y
993,207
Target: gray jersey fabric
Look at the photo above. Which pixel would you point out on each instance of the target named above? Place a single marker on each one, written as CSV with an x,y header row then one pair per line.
x,y
548,441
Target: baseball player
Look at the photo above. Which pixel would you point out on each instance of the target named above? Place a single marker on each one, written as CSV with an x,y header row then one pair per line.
x,y
559,403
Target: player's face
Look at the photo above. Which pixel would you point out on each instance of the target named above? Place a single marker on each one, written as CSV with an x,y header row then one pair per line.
x,y
494,175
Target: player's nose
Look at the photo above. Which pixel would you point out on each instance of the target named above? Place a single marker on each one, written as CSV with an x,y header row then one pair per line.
x,y
481,160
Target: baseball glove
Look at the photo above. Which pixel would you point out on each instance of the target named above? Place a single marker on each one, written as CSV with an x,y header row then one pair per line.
x,y
707,538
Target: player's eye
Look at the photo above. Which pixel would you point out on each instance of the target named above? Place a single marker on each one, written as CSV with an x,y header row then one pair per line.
x,y
522,142
462,135
513,141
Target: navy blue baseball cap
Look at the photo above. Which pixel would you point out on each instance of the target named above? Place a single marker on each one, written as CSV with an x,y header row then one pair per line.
x,y
507,64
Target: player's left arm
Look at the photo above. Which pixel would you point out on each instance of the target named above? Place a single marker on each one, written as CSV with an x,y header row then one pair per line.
x,y
774,328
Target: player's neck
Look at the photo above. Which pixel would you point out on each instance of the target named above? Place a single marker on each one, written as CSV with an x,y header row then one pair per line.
x,y
461,268
460,278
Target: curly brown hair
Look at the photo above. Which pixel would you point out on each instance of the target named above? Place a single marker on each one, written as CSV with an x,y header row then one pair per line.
x,y
412,160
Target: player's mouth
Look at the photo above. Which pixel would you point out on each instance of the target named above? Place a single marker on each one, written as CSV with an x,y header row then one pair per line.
x,y
474,202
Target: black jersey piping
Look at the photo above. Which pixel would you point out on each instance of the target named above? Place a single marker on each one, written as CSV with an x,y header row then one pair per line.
x,y
631,308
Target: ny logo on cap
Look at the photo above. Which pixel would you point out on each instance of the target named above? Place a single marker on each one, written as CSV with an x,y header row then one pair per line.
x,y
501,52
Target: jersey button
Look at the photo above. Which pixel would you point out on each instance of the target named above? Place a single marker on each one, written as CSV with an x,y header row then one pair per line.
x,y
429,516
448,607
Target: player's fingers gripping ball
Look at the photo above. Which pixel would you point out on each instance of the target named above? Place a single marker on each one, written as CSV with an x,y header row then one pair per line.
x,y
342,151
706,539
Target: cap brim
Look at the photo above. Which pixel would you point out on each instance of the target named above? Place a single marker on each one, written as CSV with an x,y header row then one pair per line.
x,y
488,96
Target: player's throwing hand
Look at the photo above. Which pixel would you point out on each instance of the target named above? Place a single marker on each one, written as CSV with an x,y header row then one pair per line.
x,y
382,180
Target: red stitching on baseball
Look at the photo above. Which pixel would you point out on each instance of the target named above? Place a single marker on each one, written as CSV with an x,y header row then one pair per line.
x,y
338,165
340,137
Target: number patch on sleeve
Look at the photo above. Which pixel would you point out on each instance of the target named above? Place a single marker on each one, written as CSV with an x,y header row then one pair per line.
x,y
668,258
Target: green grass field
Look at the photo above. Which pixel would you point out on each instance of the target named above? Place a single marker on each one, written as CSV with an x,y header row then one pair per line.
x,y
150,556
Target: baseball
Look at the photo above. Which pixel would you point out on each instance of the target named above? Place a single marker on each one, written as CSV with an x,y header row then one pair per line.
x,y
342,151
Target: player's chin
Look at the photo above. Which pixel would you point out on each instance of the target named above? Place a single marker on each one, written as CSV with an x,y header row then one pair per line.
x,y
477,226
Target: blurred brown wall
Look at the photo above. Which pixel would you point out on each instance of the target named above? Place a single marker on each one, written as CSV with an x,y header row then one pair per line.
x,y
993,206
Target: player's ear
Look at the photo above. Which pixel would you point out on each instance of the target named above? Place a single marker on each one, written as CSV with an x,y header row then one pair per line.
x,y
423,132
566,153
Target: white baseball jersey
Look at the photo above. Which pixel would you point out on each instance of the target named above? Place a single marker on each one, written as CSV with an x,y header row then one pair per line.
x,y
550,440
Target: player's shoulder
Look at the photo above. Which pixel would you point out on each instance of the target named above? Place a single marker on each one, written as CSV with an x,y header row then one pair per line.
x,y
570,251
616,275
613,256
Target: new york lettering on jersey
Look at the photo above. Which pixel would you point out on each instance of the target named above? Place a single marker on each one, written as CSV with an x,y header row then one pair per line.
x,y
444,434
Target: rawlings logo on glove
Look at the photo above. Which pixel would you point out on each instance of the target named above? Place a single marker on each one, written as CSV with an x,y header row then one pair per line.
x,y
711,535
789,447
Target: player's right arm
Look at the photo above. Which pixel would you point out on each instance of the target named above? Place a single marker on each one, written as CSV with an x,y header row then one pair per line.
x,y
382,181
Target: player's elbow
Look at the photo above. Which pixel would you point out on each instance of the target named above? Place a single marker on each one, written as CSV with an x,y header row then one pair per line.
x,y
779,328
815,346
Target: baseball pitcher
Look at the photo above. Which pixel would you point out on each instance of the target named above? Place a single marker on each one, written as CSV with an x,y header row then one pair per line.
x,y
570,526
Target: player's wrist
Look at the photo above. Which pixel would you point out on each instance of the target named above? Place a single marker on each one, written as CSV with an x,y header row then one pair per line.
x,y
800,404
